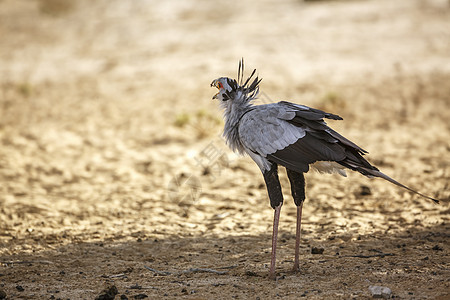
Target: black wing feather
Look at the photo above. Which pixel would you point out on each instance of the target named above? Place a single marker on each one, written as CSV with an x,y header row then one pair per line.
x,y
321,143
311,124
305,151
313,113
345,141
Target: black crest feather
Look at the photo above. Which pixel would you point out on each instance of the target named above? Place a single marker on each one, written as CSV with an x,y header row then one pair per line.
x,y
251,89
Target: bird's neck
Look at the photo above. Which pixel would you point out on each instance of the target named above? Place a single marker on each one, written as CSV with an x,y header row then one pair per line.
x,y
233,113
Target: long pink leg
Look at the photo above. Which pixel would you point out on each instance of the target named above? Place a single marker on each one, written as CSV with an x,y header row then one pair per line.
x,y
276,219
297,238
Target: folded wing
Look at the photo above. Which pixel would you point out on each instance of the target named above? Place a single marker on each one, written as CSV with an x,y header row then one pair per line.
x,y
296,136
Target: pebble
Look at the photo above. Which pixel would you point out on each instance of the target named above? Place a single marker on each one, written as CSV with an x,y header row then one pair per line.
x,y
317,250
20,288
380,291
108,293
365,190
437,248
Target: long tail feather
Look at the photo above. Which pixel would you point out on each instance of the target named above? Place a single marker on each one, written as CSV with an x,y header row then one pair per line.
x,y
377,173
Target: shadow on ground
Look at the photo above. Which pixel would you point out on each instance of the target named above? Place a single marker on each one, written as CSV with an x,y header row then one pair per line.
x,y
413,263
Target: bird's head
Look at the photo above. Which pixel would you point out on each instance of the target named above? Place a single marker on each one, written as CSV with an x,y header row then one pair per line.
x,y
226,86
232,90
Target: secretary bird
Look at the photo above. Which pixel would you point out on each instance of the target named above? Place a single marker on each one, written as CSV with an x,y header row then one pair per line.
x,y
287,134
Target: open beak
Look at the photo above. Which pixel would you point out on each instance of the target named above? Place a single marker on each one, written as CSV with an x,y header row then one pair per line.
x,y
214,84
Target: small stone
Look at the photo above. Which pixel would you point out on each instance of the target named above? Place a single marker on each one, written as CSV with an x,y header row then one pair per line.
x,y
20,288
437,248
365,190
108,293
140,296
123,297
2,294
317,250
380,291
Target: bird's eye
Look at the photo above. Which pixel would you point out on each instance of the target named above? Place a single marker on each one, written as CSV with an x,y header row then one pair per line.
x,y
219,85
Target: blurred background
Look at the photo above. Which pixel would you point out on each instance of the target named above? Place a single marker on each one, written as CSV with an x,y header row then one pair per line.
x,y
109,101
108,129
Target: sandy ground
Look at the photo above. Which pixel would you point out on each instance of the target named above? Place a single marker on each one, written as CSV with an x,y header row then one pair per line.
x,y
111,158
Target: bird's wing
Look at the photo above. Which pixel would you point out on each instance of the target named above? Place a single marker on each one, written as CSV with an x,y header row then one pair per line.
x,y
264,129
314,119
295,136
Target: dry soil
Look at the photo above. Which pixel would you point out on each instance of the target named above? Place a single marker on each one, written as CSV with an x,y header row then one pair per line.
x,y
113,171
